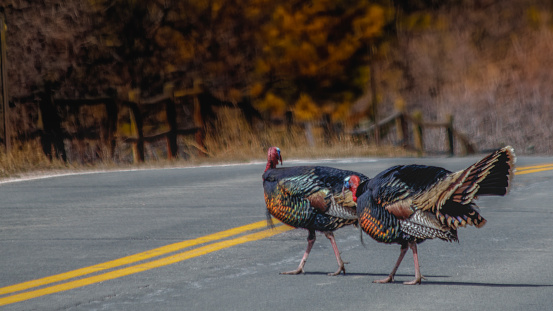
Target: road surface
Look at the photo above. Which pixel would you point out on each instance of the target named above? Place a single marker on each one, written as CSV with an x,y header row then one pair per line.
x,y
196,239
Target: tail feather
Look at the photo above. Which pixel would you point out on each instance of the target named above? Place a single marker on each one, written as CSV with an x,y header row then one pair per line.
x,y
489,176
500,174
453,196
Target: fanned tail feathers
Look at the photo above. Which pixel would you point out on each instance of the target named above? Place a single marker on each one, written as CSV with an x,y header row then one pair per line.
x,y
489,176
451,198
497,172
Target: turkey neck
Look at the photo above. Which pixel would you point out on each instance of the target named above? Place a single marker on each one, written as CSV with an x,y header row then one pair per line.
x,y
362,188
270,165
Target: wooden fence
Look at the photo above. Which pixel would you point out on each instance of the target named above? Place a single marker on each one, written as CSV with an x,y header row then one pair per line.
x,y
406,124
52,133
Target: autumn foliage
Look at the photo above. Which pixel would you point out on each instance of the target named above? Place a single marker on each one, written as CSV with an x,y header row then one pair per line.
x,y
485,62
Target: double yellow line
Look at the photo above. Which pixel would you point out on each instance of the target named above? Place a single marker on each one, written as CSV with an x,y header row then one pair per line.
x,y
139,267
533,169
139,262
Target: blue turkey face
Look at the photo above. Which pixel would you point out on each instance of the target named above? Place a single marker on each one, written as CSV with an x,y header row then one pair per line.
x,y
346,185
279,157
346,182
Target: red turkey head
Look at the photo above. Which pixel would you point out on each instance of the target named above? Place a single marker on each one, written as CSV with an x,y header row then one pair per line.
x,y
351,183
273,156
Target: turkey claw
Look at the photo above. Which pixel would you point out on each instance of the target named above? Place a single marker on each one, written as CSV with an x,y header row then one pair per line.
x,y
389,279
413,282
342,268
294,272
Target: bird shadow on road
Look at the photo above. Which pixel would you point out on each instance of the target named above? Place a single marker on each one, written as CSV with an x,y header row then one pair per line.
x,y
400,278
484,284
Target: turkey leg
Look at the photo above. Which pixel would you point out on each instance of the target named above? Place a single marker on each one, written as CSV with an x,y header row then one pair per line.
x,y
390,277
341,266
310,241
418,275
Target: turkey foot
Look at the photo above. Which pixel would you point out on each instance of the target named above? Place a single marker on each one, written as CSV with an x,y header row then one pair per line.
x,y
340,269
389,279
299,270
341,263
416,281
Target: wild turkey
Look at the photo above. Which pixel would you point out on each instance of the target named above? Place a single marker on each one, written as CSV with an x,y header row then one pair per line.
x,y
409,204
310,197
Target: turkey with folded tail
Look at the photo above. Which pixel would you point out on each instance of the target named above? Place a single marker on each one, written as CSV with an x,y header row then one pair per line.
x,y
310,197
407,204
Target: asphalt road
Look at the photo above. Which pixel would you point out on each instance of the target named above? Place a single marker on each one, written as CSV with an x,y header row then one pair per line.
x,y
194,239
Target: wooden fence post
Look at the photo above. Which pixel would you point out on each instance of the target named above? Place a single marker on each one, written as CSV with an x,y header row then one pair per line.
x,y
136,126
402,130
51,122
418,131
4,73
289,121
171,113
327,129
111,112
309,134
199,123
449,135
374,94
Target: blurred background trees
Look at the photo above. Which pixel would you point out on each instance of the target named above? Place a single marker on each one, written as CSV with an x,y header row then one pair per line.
x,y
485,61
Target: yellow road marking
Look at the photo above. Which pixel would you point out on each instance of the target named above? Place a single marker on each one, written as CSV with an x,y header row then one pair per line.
x,y
533,171
131,259
144,266
550,165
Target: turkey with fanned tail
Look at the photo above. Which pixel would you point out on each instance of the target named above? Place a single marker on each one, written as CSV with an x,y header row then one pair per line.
x,y
310,197
407,204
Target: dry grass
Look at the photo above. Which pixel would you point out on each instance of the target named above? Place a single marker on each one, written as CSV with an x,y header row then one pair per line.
x,y
26,159
235,142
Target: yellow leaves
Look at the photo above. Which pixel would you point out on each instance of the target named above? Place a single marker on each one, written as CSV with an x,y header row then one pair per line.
x,y
262,66
253,9
363,76
400,104
305,109
173,40
418,21
256,89
306,57
235,94
370,25
341,111
273,104
534,16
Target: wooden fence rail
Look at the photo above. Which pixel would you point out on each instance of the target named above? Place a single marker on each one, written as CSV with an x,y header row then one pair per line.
x,y
401,121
